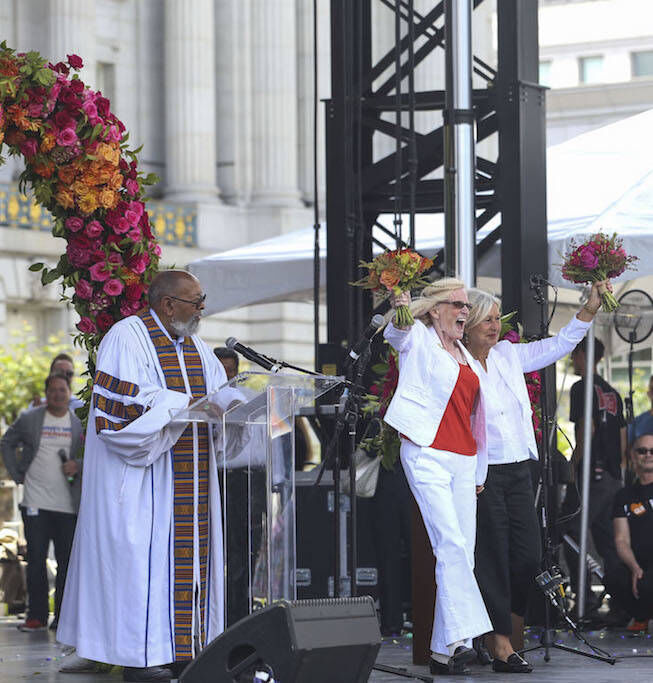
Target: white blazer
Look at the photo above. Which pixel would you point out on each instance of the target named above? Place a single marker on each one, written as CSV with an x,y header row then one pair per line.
x,y
513,360
427,377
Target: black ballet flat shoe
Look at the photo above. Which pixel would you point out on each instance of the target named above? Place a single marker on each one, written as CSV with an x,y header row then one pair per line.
x,y
513,665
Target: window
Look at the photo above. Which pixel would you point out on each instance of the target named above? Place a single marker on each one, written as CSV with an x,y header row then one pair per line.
x,y
590,69
106,81
641,63
545,72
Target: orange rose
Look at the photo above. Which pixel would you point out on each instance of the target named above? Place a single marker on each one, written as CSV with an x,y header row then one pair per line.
x,y
104,173
108,199
80,188
64,197
389,278
116,181
87,204
47,142
66,174
108,152
44,169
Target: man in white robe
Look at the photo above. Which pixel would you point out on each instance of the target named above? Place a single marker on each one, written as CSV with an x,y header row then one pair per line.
x,y
145,580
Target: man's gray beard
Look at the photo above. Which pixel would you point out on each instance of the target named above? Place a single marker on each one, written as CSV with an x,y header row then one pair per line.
x,y
186,329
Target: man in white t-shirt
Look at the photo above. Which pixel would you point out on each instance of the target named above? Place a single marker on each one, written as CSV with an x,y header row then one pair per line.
x,y
39,451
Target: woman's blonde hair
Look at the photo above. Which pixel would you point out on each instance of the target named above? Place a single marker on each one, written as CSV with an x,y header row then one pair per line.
x,y
482,304
433,294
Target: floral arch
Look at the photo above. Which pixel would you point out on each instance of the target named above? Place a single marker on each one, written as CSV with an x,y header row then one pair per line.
x,y
80,168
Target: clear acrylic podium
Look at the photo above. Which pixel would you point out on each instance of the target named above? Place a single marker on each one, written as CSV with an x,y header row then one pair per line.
x,y
253,418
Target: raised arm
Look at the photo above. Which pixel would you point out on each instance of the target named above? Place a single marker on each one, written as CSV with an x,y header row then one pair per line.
x,y
538,354
400,338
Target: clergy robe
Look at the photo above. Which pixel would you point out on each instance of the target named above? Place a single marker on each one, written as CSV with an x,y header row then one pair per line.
x,y
145,579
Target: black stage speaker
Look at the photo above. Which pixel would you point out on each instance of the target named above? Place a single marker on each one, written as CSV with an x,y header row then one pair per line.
x,y
306,641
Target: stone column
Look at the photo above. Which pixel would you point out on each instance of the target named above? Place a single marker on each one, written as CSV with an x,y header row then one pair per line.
x,y
275,179
190,138
71,29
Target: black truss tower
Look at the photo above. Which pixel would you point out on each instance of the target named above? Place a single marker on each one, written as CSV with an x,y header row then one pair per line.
x,y
359,188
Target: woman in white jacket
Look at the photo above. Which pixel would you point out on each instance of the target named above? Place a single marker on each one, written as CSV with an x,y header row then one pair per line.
x,y
508,552
438,408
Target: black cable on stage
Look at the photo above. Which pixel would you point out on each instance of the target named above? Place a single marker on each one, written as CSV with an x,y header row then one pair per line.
x,y
316,203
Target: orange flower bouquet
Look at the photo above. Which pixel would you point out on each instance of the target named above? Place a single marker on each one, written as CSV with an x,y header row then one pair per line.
x,y
394,272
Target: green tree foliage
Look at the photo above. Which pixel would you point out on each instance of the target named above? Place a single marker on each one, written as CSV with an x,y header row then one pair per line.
x,y
25,366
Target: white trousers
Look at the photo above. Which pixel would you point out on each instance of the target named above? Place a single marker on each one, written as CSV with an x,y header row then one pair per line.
x,y
444,486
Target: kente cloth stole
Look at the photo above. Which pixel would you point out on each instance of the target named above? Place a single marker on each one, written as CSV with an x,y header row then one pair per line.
x,y
182,458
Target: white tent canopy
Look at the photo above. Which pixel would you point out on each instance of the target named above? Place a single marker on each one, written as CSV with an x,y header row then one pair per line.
x,y
599,180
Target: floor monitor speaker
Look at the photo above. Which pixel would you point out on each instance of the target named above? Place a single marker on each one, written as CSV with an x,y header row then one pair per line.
x,y
306,641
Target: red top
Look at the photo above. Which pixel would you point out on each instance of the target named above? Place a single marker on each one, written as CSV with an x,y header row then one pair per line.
x,y
455,430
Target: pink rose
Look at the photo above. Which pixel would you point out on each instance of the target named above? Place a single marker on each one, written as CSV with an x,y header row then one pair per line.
x,y
77,86
132,218
512,336
66,137
87,326
115,259
105,320
74,224
157,250
113,134
90,110
132,187
588,258
99,272
139,263
134,292
135,234
61,68
94,229
84,289
113,287
35,109
75,61
29,148
103,105
79,251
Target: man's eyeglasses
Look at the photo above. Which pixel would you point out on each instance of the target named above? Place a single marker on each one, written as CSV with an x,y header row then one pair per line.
x,y
69,373
644,451
459,305
195,302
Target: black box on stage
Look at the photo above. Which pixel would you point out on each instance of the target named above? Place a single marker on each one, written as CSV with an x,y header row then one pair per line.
x,y
306,641
315,539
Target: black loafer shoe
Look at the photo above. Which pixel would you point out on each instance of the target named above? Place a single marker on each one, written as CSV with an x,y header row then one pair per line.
x,y
513,665
150,673
439,669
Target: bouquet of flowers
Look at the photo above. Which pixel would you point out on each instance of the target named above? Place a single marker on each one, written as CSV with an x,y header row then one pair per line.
x,y
533,379
598,258
386,442
394,272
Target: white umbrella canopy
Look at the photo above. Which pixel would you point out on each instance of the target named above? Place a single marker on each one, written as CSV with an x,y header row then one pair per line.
x,y
601,180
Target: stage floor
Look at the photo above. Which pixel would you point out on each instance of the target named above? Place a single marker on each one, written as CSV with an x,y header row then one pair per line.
x,y
37,656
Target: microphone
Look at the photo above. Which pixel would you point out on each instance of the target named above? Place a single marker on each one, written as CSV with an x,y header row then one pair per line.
x,y
366,337
64,458
250,354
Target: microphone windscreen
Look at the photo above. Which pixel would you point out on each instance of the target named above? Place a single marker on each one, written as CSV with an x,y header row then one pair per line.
x,y
378,320
230,342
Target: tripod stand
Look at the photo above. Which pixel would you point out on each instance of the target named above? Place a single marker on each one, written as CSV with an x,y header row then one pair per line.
x,y
550,580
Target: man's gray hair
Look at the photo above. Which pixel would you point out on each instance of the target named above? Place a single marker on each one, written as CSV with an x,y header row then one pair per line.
x,y
482,304
166,283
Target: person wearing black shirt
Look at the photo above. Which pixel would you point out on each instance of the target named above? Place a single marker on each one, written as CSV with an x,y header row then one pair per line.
x,y
607,452
631,581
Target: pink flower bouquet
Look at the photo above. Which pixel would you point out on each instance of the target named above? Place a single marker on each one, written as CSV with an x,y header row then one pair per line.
x,y
598,258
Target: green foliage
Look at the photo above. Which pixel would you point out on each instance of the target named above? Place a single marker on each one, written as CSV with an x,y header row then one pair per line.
x,y
24,370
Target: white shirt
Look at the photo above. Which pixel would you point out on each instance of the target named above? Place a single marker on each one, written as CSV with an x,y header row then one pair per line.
x,y
46,486
503,412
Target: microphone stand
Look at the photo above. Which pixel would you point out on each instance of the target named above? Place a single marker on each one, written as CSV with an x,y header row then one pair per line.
x,y
547,510
348,415
630,416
